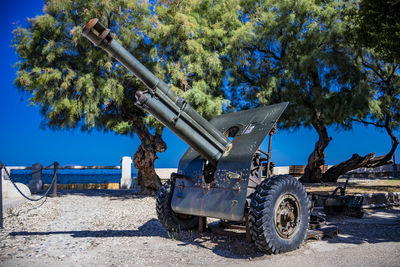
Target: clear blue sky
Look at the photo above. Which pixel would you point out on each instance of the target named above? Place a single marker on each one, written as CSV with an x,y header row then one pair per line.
x,y
23,142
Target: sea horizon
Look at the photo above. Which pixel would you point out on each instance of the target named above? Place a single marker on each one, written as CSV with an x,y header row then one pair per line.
x,y
72,176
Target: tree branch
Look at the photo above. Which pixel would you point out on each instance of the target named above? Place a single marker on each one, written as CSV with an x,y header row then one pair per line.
x,y
395,140
367,161
369,123
372,68
394,68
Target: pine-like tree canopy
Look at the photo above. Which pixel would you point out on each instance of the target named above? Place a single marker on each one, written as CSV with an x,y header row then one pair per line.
x,y
75,84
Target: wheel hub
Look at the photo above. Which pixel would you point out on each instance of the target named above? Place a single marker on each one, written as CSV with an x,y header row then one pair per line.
x,y
287,216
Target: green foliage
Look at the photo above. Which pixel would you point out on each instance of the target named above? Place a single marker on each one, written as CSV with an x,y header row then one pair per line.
x,y
384,81
295,51
378,27
192,38
74,83
375,34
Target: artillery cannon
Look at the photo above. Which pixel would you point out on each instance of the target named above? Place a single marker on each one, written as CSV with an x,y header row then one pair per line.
x,y
219,176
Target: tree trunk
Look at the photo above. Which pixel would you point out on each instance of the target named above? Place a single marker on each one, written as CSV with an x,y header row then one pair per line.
x,y
367,161
145,157
312,172
143,161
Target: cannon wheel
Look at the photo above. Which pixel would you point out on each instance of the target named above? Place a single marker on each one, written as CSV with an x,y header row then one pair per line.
x,y
169,219
279,214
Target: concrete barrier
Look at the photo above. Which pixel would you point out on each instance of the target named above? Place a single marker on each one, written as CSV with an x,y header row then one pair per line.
x,y
88,186
165,173
280,170
9,191
11,197
378,172
382,171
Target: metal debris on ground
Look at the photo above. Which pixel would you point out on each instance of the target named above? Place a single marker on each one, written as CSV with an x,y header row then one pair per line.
x,y
319,228
338,203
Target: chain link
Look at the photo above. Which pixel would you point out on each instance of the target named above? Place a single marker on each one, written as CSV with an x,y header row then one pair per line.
x,y
2,166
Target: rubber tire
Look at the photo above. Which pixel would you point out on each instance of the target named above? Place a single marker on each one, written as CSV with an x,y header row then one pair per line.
x,y
168,218
261,214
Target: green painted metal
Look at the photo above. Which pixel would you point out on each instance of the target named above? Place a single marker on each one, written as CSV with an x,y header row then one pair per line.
x,y
225,196
219,191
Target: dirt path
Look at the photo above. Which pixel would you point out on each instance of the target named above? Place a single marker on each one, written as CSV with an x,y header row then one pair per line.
x,y
99,228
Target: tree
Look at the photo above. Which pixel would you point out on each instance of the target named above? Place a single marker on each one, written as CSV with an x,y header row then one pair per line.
x,y
384,80
372,31
296,51
78,85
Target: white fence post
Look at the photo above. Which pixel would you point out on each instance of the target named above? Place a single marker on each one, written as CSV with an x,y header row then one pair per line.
x,y
1,195
126,173
36,183
4,175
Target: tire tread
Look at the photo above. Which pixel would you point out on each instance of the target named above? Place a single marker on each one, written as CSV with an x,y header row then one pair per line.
x,y
262,209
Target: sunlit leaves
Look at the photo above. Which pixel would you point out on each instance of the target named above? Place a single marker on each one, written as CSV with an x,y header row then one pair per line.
x,y
73,82
193,39
76,84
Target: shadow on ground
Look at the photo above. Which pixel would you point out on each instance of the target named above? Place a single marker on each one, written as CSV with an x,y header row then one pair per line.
x,y
225,246
229,247
377,226
150,228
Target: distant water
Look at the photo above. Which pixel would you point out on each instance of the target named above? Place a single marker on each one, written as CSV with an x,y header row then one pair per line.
x,y
72,176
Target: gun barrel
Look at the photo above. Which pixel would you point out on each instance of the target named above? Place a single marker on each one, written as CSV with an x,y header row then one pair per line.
x,y
159,100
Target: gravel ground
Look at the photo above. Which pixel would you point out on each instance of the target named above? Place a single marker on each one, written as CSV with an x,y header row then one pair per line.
x,y
110,228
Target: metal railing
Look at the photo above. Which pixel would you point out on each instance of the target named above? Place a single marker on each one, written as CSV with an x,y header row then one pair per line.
x,y
68,167
57,167
52,190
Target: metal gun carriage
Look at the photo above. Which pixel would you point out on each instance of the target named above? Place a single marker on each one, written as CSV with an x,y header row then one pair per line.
x,y
220,175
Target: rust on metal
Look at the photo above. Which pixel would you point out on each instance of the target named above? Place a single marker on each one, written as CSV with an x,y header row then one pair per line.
x,y
89,25
287,216
97,33
271,133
